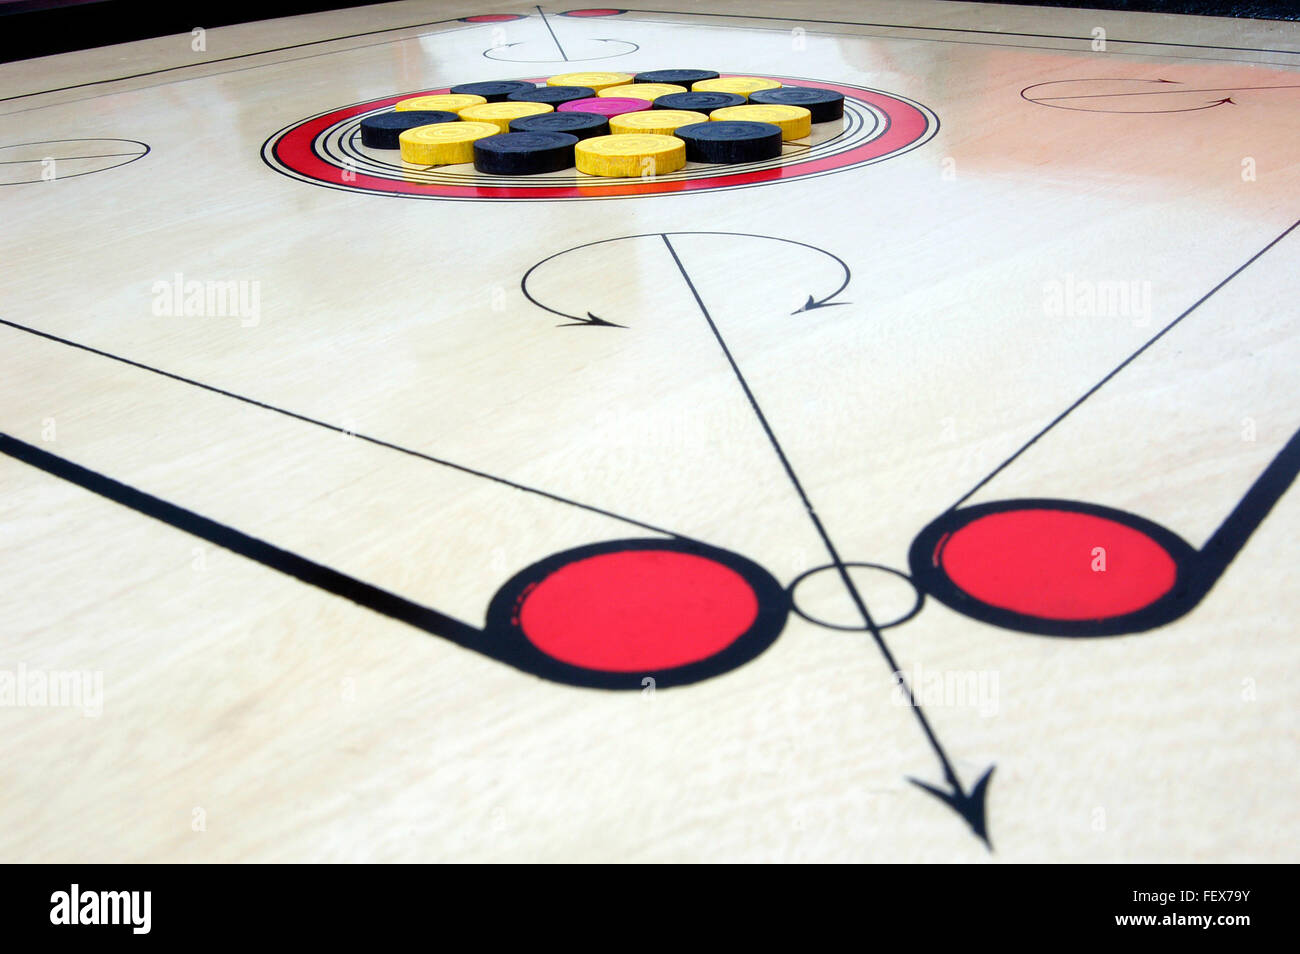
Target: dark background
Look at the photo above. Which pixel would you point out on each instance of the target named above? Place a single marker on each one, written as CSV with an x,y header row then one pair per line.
x,y
40,27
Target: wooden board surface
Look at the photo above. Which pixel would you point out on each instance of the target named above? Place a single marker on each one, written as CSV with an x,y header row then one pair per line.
x,y
1070,276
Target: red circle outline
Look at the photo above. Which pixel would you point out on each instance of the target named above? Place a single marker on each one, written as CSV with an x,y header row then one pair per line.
x,y
294,149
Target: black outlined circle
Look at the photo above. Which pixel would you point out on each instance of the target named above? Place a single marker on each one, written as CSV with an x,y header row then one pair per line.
x,y
831,567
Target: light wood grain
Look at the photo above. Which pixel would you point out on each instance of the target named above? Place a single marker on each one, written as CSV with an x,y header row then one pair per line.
x,y
307,728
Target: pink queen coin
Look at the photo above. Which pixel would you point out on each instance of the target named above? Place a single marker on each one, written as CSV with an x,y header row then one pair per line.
x,y
605,105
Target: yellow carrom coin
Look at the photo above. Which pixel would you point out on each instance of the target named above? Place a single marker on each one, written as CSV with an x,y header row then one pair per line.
x,y
630,154
740,85
500,114
795,121
650,91
662,122
440,102
443,144
596,81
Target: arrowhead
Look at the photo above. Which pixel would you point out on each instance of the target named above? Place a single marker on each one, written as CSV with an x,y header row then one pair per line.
x,y
590,321
1227,99
1167,81
812,303
968,806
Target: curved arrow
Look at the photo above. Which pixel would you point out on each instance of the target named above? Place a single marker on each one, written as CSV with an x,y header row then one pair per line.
x,y
1092,79
1052,101
631,48
1139,112
588,322
590,319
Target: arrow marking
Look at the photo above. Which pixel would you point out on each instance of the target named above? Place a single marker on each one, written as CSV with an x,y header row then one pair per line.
x,y
1053,102
631,48
590,319
969,805
589,322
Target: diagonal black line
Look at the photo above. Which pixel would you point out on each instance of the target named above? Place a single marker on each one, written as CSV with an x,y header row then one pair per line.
x,y
299,567
340,430
547,24
954,29
840,565
936,39
1121,366
224,59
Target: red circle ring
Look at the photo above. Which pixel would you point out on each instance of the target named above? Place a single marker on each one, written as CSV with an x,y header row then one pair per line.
x,y
292,152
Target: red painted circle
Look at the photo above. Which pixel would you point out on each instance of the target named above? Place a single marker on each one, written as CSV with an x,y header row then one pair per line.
x,y
637,610
1043,563
294,150
492,18
594,12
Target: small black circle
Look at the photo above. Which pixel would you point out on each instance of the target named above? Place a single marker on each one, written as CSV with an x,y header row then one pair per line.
x,y
916,606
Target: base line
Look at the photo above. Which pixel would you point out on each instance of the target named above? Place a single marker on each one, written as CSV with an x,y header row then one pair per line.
x,y
340,430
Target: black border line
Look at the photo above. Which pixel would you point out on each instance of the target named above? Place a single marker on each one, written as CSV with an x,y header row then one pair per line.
x,y
987,43
899,26
218,534
227,59
340,430
892,26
